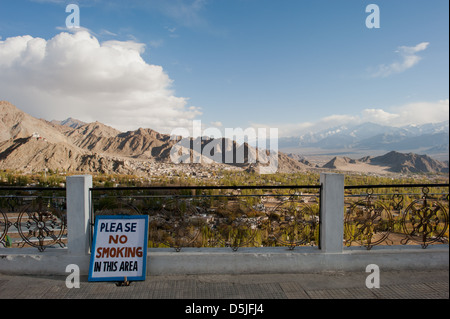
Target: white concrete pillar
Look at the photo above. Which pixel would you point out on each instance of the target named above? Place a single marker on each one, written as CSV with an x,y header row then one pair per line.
x,y
78,214
332,213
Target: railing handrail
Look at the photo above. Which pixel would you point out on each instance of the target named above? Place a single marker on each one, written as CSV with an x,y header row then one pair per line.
x,y
26,188
206,187
395,186
240,187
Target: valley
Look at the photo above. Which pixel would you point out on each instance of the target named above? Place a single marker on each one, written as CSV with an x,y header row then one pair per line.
x,y
32,146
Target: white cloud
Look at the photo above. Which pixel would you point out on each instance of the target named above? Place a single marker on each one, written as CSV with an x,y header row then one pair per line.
x,y
186,13
409,59
422,112
297,129
73,74
109,33
397,116
413,113
217,124
379,116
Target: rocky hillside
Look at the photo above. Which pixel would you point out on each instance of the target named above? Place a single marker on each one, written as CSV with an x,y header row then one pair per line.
x,y
70,122
15,124
29,144
409,163
391,162
338,162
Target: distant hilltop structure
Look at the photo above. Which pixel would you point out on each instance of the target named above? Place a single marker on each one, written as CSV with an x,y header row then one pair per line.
x,y
37,136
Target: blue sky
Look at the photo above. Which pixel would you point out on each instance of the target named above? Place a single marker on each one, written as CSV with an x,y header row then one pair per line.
x,y
297,65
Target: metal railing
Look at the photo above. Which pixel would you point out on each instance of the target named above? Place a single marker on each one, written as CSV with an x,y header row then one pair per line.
x,y
216,216
33,217
396,215
236,216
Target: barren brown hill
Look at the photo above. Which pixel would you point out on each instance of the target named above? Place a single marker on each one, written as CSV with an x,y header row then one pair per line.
x,y
17,124
288,165
394,162
140,144
224,150
31,155
338,162
29,144
409,163
70,122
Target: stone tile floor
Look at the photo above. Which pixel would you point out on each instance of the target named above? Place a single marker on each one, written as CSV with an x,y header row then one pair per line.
x,y
409,284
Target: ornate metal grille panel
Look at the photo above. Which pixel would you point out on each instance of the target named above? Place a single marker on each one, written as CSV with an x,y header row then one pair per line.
x,y
33,217
414,216
219,217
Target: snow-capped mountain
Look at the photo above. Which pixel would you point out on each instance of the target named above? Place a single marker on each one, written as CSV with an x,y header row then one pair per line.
x,y
430,138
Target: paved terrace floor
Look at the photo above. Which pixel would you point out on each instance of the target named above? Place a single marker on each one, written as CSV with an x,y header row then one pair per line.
x,y
409,284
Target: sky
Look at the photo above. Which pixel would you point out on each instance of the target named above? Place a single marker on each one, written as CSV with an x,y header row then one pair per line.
x,y
296,65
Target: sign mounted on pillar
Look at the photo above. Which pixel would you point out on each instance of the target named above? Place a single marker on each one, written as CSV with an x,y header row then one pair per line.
x,y
119,248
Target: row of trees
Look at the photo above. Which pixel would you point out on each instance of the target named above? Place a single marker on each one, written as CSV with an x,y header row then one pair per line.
x,y
221,177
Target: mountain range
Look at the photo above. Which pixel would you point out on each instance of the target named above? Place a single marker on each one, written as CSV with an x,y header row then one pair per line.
x,y
392,162
29,144
431,139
